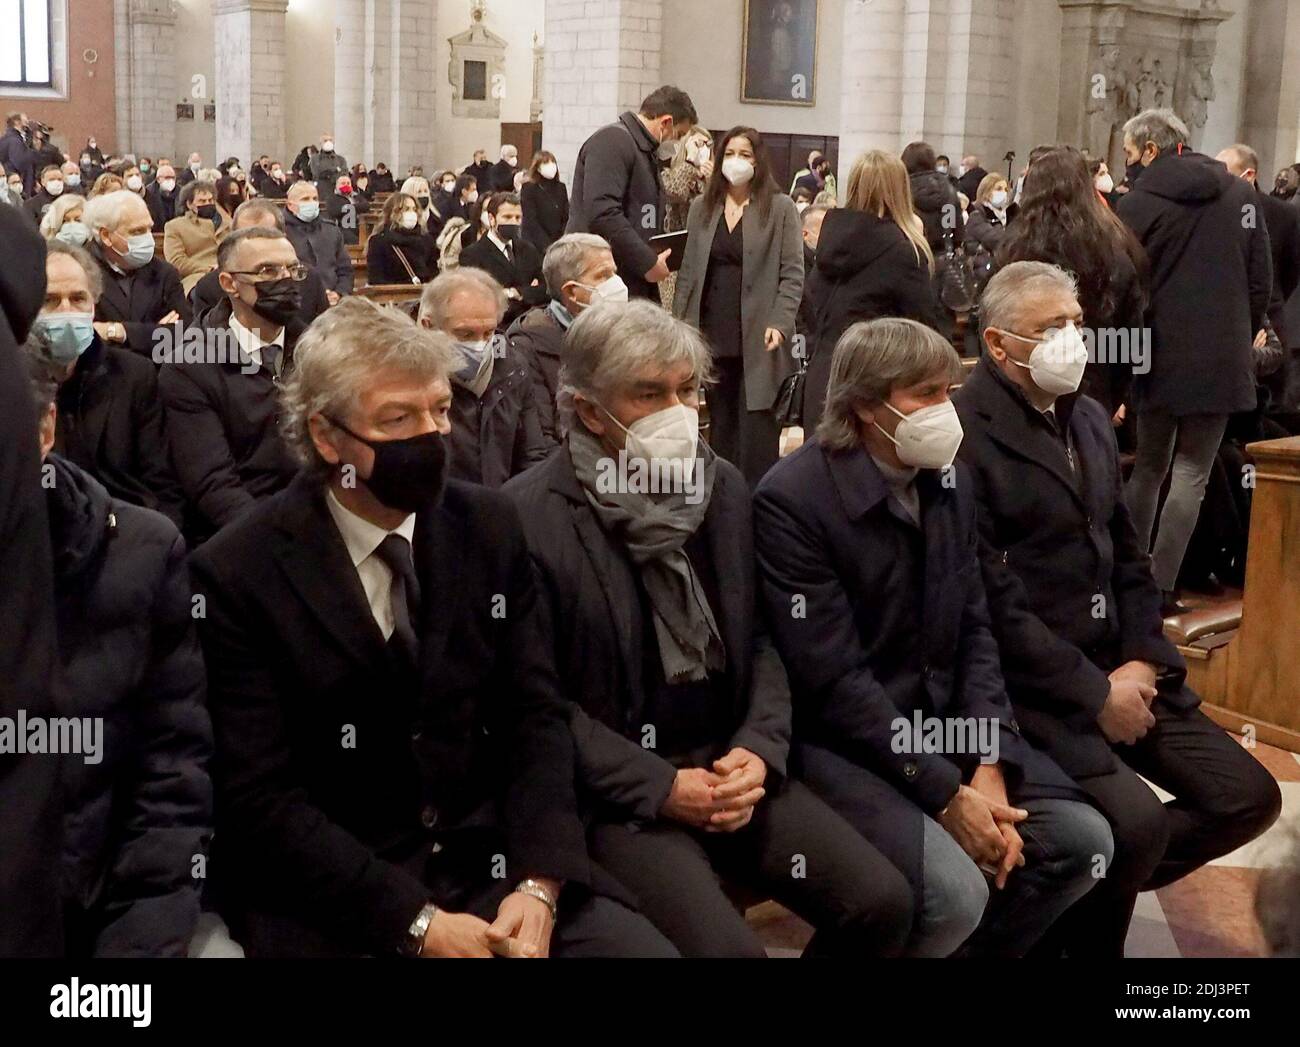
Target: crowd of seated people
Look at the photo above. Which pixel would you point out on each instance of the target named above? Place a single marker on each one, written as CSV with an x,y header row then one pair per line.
x,y
494,622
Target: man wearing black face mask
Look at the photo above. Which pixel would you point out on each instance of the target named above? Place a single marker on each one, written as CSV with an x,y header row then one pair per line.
x,y
513,262
398,774
221,384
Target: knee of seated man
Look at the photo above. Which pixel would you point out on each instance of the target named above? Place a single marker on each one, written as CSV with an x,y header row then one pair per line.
x,y
1247,804
1140,836
886,916
956,895
1084,846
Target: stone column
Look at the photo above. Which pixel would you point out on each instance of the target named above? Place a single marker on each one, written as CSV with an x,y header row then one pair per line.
x,y
146,41
250,69
1271,89
874,68
602,58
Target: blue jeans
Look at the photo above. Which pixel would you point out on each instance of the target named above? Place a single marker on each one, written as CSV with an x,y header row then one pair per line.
x,y
1068,847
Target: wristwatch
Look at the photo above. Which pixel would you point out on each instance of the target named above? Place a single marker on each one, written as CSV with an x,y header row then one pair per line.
x,y
413,944
540,891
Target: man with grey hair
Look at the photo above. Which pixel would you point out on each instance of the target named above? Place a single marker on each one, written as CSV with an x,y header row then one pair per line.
x,y
501,176
142,294
318,241
681,713
866,541
1076,613
398,772
580,272
495,432
1211,282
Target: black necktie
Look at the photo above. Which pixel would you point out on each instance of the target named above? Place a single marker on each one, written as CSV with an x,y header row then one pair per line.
x,y
395,551
271,355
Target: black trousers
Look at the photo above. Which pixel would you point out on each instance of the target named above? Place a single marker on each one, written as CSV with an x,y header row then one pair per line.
x,y
1223,799
795,849
749,440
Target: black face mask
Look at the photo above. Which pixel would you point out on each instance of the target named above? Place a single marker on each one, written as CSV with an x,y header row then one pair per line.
x,y
508,233
423,201
278,300
408,475
1133,172
206,211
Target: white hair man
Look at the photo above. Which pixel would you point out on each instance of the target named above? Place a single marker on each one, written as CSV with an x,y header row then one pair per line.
x,y
142,293
495,428
329,611
580,272
1091,676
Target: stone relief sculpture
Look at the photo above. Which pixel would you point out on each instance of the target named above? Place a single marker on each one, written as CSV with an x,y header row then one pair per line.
x,y
1199,94
1108,105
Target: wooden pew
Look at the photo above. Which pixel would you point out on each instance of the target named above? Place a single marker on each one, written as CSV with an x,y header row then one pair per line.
x,y
360,272
1246,665
392,294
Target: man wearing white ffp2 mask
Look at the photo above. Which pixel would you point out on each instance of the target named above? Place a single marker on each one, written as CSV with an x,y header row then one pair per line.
x,y
1048,357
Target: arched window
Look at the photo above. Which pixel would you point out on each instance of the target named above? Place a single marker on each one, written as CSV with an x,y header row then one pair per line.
x,y
25,44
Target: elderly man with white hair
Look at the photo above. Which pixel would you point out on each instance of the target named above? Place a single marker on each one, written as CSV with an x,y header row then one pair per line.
x,y
580,272
1076,613
681,714
495,431
318,241
142,293
501,179
395,771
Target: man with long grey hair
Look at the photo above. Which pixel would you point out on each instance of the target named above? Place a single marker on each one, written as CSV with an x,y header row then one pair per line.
x,y
681,708
867,551
396,773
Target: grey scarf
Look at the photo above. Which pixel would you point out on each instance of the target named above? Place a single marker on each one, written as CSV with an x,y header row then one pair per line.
x,y
654,528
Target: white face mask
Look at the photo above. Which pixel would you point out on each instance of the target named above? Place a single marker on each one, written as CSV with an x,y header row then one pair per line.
x,y
472,198
134,183
54,187
196,167
167,184
999,200
699,155
409,219
942,169
328,146
548,170
611,290
737,170
670,435
1057,363
512,160
928,438
1105,185
448,187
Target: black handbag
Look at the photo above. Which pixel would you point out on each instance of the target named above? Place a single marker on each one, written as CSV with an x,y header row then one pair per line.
x,y
788,408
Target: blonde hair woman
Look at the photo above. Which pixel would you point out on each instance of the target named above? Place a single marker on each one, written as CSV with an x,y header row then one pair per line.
x,y
417,188
872,261
106,183
991,213
63,221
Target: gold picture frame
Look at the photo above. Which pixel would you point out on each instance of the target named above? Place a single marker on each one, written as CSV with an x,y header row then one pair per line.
x,y
785,33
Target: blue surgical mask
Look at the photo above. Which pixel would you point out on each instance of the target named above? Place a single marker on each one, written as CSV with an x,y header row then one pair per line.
x,y
72,180
74,233
139,251
69,334
309,210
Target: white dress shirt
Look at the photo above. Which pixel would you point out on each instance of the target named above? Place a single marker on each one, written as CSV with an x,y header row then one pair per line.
x,y
251,343
362,539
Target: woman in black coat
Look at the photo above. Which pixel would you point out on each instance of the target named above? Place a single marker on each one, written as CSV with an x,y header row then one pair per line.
x,y
1063,221
139,811
872,261
990,215
398,237
545,200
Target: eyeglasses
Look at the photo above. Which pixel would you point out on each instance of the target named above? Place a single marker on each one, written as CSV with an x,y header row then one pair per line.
x,y
297,273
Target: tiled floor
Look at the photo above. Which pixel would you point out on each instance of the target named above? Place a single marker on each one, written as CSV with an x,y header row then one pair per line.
x,y
1207,914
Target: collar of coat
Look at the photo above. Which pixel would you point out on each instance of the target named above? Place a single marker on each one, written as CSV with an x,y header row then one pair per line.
x,y
862,486
644,139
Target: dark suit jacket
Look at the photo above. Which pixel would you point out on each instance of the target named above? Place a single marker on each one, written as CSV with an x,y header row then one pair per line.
x,y
537,337
1070,590
139,300
225,433
871,642
524,274
162,208
110,423
320,832
501,178
590,590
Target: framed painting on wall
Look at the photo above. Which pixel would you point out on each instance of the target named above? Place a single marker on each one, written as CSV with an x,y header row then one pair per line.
x,y
779,52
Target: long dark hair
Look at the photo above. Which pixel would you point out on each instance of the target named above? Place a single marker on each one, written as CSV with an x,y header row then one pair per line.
x,y
762,189
1063,221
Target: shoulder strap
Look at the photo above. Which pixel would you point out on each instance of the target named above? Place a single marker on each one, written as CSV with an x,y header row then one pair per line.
x,y
405,264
